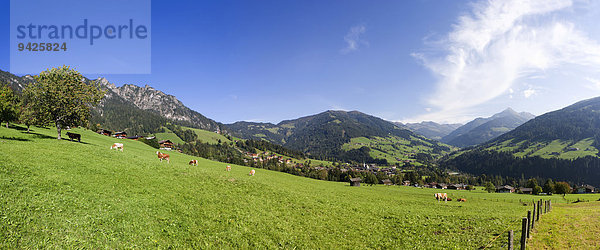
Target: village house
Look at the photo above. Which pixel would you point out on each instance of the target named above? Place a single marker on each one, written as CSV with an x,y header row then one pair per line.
x,y
406,183
585,189
505,189
457,186
387,182
104,132
166,144
120,135
525,190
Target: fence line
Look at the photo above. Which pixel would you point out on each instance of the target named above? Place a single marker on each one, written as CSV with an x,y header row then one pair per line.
x,y
539,207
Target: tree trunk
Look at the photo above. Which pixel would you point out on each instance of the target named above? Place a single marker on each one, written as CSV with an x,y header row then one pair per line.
x,y
58,129
28,128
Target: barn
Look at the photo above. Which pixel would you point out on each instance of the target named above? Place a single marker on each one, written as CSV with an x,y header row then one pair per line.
x,y
104,132
166,144
120,135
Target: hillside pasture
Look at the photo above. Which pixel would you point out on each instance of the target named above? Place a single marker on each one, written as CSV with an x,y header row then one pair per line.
x,y
63,194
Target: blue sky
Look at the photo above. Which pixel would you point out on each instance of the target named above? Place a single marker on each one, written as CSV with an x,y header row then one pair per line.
x,y
446,61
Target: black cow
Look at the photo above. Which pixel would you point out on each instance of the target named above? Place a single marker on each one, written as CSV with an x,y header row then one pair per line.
x,y
73,136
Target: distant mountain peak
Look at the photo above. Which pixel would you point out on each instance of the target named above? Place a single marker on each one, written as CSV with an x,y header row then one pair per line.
x,y
483,129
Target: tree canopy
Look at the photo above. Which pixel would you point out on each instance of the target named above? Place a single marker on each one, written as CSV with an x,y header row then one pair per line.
x,y
8,104
61,96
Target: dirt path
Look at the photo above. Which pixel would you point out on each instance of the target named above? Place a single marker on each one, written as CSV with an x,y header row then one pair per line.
x,y
568,226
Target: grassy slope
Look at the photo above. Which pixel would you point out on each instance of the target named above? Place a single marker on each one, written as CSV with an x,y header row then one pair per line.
x,y
169,135
67,194
546,149
208,136
569,226
388,148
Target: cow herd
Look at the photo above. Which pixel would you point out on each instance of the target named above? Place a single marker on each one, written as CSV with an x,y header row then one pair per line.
x,y
167,157
444,197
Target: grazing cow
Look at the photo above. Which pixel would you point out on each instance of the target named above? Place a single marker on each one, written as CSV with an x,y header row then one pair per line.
x,y
73,136
117,146
193,163
228,168
252,172
162,157
462,200
441,196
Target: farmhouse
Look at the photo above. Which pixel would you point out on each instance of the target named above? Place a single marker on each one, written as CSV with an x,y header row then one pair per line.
x,y
355,182
585,189
387,182
120,135
104,132
406,183
505,189
166,144
526,190
457,186
135,138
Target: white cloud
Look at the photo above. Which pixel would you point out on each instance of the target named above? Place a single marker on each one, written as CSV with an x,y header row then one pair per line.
x,y
353,39
498,43
595,83
529,92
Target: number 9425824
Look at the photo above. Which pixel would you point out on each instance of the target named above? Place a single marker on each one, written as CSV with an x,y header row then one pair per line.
x,y
42,47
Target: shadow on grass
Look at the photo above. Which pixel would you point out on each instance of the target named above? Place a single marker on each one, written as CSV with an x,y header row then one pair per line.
x,y
75,141
13,138
40,136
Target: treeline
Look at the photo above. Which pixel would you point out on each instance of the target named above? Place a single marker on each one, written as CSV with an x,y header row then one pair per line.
x,y
478,162
262,145
218,152
187,135
116,114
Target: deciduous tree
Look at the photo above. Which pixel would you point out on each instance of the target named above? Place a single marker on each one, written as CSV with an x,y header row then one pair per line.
x,y
8,103
63,98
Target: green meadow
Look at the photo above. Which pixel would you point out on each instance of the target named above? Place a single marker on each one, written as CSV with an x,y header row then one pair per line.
x,y
63,194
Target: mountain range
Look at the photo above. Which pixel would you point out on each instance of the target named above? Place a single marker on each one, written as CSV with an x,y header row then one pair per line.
x,y
431,130
562,144
481,130
332,134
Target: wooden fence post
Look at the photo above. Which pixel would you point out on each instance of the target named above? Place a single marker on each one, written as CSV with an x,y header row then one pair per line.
x,y
550,205
510,239
528,220
524,233
539,205
532,221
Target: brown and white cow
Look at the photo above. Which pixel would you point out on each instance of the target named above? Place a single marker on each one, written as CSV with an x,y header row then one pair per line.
x,y
228,168
252,172
441,196
117,146
162,157
193,163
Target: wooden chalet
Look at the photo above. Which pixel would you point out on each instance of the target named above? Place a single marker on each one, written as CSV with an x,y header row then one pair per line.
x,y
166,144
387,182
120,135
585,189
355,182
526,190
505,189
457,186
104,132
